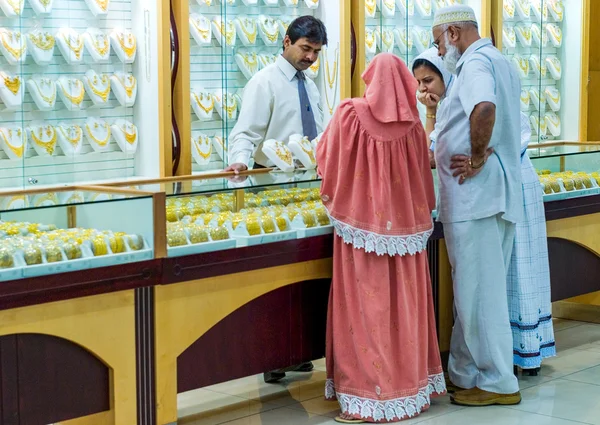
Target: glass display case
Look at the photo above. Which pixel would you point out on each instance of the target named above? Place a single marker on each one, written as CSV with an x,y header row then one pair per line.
x,y
214,213
222,44
567,169
74,228
542,37
401,27
73,76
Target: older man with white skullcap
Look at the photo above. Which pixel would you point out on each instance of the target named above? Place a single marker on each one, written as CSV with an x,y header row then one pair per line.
x,y
477,156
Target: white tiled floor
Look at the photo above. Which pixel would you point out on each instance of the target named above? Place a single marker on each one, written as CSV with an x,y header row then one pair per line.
x,y
567,392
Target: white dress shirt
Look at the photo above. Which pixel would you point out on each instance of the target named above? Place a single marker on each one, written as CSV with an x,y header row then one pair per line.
x,y
484,75
271,110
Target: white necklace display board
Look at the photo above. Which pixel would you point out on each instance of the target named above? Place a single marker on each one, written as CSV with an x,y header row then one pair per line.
x,y
71,71
229,45
538,50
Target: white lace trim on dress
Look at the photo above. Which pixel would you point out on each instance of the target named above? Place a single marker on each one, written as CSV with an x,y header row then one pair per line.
x,y
390,410
381,244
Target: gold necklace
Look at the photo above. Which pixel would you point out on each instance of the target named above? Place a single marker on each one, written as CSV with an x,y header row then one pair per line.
x,y
74,99
370,7
226,31
128,89
554,120
72,140
525,98
98,141
50,144
129,137
523,64
12,84
76,46
230,108
552,97
315,66
18,151
101,49
48,99
271,37
129,50
203,32
15,52
332,78
555,31
45,3
251,35
309,152
387,38
556,6
208,109
283,153
102,94
509,7
370,39
389,4
15,6
102,4
43,41
202,154
525,33
252,63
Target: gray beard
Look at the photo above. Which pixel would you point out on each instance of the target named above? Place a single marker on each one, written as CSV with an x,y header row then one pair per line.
x,y
451,58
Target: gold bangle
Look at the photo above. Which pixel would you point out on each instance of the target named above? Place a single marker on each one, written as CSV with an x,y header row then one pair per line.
x,y
432,116
476,167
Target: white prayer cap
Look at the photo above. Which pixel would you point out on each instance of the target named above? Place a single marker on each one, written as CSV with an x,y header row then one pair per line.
x,y
454,15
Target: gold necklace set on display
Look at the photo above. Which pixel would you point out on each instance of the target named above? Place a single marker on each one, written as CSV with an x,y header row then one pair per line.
x,y
101,93
271,36
130,137
48,99
370,7
204,33
249,33
16,6
76,45
103,48
38,140
128,88
203,140
207,109
12,84
73,140
283,153
42,40
227,31
99,142
18,151
77,98
128,49
331,78
16,52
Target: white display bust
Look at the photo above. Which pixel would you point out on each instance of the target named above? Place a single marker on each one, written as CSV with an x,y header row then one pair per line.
x,y
13,141
41,7
246,29
224,31
42,137
283,23
124,44
13,46
312,4
424,7
303,151
40,45
97,44
403,39
226,105
407,7
97,132
98,7
125,134
201,149
421,38
268,30
43,92
247,62
97,87
11,91
387,8
70,44
70,138
71,91
203,104
200,29
124,86
12,8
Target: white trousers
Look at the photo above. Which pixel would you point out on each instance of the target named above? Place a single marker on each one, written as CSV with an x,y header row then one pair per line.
x,y
481,346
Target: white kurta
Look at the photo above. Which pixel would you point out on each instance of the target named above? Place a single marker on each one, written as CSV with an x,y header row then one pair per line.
x,y
529,298
479,219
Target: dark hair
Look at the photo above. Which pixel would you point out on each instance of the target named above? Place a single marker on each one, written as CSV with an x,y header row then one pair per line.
x,y
307,27
418,63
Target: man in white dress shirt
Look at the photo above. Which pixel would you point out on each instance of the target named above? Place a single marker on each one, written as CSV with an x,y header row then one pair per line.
x,y
478,161
279,101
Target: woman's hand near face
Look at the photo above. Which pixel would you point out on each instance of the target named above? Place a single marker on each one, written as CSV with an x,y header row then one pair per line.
x,y
430,100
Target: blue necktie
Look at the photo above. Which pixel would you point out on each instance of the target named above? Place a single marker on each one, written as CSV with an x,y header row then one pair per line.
x,y
309,127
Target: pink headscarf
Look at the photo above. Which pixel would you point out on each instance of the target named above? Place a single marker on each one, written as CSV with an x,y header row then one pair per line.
x,y
390,89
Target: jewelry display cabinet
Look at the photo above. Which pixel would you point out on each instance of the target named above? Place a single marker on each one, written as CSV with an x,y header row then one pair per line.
x,y
73,228
222,44
401,27
81,95
544,39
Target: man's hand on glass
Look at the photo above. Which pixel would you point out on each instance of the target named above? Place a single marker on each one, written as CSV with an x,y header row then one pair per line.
x,y
236,168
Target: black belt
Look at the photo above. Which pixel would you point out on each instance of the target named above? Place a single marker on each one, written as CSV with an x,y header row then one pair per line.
x,y
257,166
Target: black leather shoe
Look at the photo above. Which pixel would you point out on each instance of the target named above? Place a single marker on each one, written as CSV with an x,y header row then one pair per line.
x,y
273,377
305,367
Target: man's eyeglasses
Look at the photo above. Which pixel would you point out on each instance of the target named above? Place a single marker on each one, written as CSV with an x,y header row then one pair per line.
x,y
436,43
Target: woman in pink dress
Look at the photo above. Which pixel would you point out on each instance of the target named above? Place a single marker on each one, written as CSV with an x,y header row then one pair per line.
x,y
383,361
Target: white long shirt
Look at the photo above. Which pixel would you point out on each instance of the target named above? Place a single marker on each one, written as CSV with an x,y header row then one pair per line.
x,y
271,110
484,75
